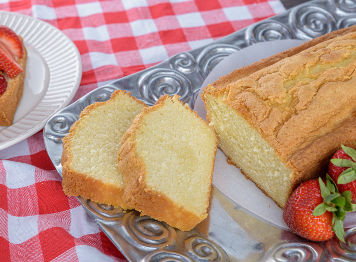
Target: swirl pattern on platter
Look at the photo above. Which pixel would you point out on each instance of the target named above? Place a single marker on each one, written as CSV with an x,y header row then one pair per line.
x,y
101,94
347,6
268,31
210,56
298,252
346,22
154,238
311,21
345,250
203,249
147,233
59,126
105,212
166,256
184,62
158,82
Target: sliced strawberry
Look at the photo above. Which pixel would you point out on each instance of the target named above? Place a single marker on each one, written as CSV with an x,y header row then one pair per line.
x,y
8,63
3,84
11,41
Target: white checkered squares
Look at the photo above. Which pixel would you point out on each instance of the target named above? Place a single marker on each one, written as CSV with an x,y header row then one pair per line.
x,y
99,33
134,3
277,6
89,9
21,229
43,12
237,13
19,149
199,43
142,27
190,20
153,54
18,174
81,224
102,59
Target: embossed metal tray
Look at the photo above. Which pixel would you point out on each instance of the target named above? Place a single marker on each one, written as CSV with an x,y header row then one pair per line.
x,y
230,233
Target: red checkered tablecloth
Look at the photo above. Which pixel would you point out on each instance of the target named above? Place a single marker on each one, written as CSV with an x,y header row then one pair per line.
x,y
115,38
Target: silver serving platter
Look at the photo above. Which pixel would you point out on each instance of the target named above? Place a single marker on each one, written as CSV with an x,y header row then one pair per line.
x,y
230,233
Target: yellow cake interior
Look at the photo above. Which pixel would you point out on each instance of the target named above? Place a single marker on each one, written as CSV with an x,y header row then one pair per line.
x,y
178,150
247,149
96,140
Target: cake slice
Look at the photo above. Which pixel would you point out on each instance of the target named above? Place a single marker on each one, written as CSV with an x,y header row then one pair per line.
x,y
167,159
281,118
90,150
13,58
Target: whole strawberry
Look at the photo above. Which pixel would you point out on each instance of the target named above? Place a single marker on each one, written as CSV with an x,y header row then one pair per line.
x,y
316,211
342,169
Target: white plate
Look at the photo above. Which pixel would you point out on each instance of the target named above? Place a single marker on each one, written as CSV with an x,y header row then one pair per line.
x,y
53,76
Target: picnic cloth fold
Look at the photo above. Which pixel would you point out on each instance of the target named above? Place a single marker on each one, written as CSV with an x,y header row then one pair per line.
x,y
114,38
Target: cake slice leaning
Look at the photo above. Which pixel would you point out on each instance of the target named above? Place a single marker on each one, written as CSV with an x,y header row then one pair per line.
x,y
167,159
90,149
280,119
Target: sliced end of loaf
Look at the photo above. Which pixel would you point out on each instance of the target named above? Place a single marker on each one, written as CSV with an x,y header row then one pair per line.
x,y
167,160
90,149
246,148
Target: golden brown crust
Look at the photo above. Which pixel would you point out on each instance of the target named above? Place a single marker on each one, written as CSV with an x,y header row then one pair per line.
x,y
137,194
12,96
304,120
78,184
239,73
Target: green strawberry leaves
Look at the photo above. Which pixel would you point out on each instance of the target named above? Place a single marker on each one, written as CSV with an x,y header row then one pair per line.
x,y
338,228
336,203
350,151
319,209
349,174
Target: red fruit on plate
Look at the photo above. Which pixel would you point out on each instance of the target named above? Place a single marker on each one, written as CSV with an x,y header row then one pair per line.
x,y
342,169
3,84
11,41
8,63
298,213
316,210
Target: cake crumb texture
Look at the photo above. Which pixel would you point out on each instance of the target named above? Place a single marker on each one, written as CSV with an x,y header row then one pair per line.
x,y
167,160
90,150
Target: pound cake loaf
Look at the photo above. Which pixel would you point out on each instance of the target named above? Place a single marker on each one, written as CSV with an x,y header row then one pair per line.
x,y
167,159
89,156
13,58
281,118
